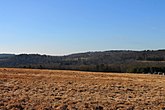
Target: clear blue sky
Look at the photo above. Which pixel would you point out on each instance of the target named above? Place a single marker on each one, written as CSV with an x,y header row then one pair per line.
x,y
60,27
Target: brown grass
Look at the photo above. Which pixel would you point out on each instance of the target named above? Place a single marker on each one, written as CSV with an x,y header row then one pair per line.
x,y
73,90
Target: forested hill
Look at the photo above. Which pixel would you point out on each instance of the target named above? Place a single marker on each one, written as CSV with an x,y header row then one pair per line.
x,y
111,61
2,56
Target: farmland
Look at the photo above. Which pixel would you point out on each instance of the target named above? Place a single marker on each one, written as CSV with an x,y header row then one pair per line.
x,y
35,89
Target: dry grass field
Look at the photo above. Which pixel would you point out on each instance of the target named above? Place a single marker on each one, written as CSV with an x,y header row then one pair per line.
x,y
25,89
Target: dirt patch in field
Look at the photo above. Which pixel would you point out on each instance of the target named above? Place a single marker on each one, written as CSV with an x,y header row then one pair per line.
x,y
25,89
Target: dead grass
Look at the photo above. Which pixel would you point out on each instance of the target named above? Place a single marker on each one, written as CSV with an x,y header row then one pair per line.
x,y
25,89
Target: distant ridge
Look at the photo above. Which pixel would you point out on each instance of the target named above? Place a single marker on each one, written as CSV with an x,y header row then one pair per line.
x,y
108,61
6,55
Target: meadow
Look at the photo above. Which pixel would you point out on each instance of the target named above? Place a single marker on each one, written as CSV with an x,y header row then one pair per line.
x,y
36,89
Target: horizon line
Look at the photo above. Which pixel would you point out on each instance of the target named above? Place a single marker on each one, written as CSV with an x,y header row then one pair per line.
x,y
72,53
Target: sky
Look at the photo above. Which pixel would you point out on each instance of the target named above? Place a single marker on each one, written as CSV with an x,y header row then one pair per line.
x,y
61,27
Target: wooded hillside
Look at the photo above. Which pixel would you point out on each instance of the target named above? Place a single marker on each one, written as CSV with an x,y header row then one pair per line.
x,y
108,61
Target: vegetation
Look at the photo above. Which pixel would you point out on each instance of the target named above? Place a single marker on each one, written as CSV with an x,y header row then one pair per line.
x,y
29,89
147,61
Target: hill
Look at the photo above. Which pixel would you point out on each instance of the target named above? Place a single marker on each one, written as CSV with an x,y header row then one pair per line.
x,y
108,61
3,56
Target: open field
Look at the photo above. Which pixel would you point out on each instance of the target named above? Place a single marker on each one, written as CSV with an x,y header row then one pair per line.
x,y
23,89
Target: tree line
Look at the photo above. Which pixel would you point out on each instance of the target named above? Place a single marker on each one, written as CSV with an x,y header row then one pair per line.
x,y
147,61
